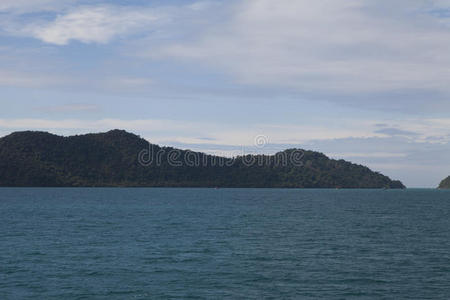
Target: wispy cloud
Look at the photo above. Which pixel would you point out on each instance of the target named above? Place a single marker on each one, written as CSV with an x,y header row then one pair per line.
x,y
22,79
327,46
355,50
76,107
396,132
114,83
93,24
348,155
102,22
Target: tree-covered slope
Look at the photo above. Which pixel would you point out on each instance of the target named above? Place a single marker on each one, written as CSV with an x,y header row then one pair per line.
x,y
445,184
119,158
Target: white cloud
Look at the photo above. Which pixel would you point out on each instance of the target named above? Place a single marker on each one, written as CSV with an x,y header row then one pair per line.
x,y
330,47
93,24
327,46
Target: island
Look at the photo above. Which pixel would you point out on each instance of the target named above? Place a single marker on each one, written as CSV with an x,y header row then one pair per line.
x,y
121,159
445,184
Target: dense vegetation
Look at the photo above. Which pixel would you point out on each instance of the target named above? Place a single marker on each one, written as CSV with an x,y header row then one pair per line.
x,y
111,159
445,184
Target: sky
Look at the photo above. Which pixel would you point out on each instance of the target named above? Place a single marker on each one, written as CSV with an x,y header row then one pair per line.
x,y
364,81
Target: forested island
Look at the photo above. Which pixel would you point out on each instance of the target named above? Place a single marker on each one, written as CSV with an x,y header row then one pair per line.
x,y
120,159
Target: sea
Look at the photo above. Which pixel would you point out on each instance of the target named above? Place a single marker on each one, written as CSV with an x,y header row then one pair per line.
x,y
195,243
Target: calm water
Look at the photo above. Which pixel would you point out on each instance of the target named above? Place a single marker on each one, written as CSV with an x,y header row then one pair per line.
x,y
225,243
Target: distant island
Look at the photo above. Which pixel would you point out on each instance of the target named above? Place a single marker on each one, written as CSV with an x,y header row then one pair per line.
x,y
120,159
445,184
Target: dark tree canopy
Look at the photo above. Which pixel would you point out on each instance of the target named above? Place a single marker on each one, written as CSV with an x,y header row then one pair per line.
x,y
119,158
445,184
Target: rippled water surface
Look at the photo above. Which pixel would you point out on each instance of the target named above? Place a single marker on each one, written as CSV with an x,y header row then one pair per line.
x,y
224,243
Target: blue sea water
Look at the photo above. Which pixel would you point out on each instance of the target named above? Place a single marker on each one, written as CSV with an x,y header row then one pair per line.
x,y
153,243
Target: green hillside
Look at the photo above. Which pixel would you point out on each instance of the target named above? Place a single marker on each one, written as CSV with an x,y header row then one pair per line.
x,y
119,158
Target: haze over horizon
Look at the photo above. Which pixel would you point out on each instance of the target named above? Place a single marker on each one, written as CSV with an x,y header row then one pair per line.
x,y
365,81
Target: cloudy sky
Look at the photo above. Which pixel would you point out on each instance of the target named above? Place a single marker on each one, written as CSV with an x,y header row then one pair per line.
x,y
366,81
